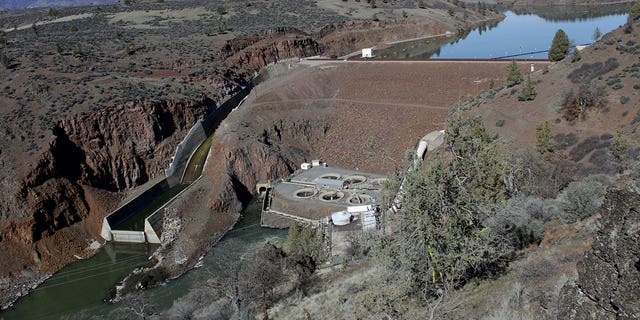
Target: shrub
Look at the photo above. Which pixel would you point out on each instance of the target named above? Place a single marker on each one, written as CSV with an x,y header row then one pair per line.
x,y
307,241
575,106
624,99
583,198
619,147
500,123
521,220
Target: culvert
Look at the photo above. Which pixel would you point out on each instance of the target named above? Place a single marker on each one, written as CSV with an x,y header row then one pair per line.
x,y
360,199
305,193
332,196
332,176
355,179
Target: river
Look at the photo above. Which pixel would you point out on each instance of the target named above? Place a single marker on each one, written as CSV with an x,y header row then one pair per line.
x,y
83,285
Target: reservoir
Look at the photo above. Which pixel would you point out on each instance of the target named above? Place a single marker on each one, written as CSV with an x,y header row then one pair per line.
x,y
522,36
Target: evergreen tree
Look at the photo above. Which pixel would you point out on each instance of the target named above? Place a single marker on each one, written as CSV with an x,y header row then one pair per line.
x,y
528,92
442,240
559,46
576,56
634,11
514,76
544,141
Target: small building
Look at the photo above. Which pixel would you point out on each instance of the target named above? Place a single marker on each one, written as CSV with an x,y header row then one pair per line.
x,y
367,53
331,184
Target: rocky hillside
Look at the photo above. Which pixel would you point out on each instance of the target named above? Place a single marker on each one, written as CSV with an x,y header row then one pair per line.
x,y
95,101
584,268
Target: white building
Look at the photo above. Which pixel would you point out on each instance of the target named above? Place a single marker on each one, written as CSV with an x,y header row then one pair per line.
x,y
367,53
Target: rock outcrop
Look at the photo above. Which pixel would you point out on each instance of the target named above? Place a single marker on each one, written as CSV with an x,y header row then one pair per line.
x,y
346,37
252,52
608,285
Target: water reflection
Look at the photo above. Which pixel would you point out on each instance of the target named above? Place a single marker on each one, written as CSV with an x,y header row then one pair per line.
x,y
526,35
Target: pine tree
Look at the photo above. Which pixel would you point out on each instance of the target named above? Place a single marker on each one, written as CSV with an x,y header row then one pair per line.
x,y
544,141
576,56
559,46
528,92
514,76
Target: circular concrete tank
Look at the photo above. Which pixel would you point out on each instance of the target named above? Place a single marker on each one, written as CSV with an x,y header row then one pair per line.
x,y
331,196
355,179
360,199
305,193
333,176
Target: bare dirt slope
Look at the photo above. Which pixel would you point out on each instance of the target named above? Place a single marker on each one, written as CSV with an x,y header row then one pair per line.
x,y
362,115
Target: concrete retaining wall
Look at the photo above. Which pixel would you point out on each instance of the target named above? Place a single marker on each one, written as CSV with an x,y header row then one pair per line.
x,y
128,236
150,233
128,209
200,131
153,224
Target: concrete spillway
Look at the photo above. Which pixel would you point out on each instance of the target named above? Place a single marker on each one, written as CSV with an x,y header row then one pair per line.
x,y
140,219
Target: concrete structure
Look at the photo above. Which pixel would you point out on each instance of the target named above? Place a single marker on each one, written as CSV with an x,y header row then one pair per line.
x,y
174,174
367,53
314,194
429,142
341,218
328,183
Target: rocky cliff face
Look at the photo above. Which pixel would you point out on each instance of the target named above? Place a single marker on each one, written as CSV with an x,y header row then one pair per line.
x,y
113,149
117,147
252,52
608,286
348,36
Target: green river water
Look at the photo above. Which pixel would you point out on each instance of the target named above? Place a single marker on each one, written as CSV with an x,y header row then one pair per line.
x,y
83,286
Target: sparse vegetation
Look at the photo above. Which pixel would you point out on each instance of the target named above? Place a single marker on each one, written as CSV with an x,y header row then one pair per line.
x,y
576,106
590,71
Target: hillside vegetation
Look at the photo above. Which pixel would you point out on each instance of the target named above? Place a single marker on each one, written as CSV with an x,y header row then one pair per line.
x,y
519,216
